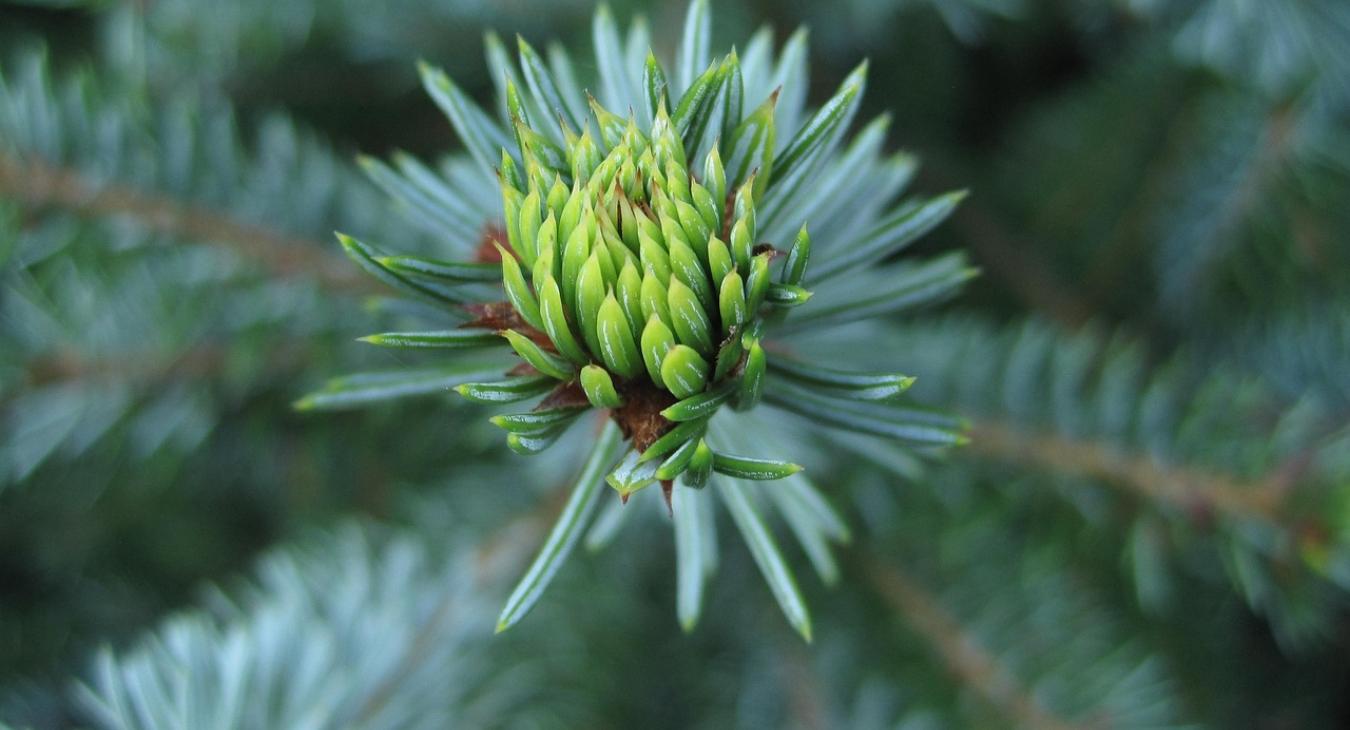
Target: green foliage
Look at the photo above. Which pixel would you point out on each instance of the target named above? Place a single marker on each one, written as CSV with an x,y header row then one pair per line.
x,y
1216,473
1144,522
375,631
652,283
149,184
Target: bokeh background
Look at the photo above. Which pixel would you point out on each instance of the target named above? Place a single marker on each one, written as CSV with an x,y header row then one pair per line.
x,y
1149,528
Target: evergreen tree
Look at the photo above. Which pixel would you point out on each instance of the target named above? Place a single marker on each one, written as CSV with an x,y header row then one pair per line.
x,y
776,459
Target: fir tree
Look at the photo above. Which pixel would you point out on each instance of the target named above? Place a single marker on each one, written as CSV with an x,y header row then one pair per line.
x,y
1106,486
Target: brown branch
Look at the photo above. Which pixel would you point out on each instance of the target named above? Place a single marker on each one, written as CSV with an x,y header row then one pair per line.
x,y
1185,487
1116,257
1015,264
201,361
1276,137
499,554
1011,261
966,660
37,185
1274,150
804,700
1271,154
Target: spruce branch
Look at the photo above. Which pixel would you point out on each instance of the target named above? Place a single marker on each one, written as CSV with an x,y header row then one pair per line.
x,y
495,557
1194,439
397,588
1184,487
1202,235
182,169
640,277
969,664
989,581
39,187
1030,277
151,368
94,180
1205,482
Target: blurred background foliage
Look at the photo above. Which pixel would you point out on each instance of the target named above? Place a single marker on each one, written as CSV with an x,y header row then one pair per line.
x,y
1151,526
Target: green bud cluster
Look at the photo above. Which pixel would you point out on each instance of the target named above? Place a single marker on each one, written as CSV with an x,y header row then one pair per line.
x,y
640,270
642,264
633,263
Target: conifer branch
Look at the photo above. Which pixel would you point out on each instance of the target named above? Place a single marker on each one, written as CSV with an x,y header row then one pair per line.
x,y
1126,240
1183,486
804,691
202,361
151,367
497,555
37,185
1227,215
1029,277
1272,151
966,660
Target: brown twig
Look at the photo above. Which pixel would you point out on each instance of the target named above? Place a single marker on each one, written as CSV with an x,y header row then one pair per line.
x,y
966,660
1117,256
1009,260
498,554
1272,153
201,360
804,693
1012,262
37,185
1185,487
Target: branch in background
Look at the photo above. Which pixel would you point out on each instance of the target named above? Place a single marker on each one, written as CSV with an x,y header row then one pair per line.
x,y
1228,218
970,664
1125,244
151,367
201,361
37,185
805,703
497,556
1182,486
1272,153
1016,265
